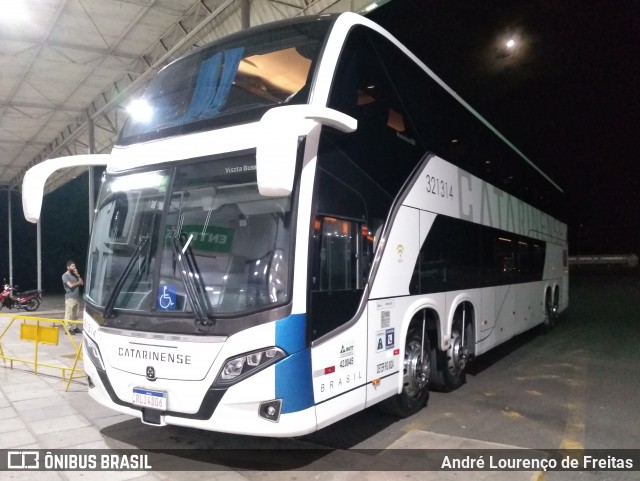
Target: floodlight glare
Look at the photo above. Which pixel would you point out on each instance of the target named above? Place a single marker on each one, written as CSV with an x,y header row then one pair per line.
x,y
13,12
140,110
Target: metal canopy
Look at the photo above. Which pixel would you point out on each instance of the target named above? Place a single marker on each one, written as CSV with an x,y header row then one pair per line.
x,y
68,67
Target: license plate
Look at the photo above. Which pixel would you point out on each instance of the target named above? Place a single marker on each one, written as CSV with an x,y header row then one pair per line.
x,y
149,399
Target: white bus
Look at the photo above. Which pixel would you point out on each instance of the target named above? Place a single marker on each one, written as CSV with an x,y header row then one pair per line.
x,y
305,222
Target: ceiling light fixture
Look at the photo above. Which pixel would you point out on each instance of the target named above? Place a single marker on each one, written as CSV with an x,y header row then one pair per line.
x,y
13,12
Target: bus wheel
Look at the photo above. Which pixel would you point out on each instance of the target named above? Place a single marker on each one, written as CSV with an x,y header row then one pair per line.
x,y
450,374
416,374
549,314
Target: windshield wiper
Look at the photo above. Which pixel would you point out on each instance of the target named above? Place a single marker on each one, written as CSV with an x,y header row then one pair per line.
x,y
111,302
196,292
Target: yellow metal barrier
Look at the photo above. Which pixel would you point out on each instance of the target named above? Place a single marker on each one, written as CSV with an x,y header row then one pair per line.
x,y
41,333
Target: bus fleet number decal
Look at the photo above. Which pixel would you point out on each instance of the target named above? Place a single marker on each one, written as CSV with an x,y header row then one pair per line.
x,y
439,187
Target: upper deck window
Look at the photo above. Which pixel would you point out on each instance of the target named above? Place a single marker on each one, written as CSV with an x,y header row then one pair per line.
x,y
232,81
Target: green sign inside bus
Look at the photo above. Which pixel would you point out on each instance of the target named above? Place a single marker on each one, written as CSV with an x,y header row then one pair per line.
x,y
211,239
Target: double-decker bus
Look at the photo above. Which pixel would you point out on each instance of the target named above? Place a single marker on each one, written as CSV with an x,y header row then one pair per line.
x,y
302,220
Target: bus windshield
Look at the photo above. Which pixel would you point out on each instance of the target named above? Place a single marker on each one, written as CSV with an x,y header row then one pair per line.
x,y
195,238
243,75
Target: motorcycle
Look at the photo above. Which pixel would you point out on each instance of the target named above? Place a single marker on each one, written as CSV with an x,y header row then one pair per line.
x,y
11,299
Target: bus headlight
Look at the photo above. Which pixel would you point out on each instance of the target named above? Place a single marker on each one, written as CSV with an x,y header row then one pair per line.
x,y
248,364
93,352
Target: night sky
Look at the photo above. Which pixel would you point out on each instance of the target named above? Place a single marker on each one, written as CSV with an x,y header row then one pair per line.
x,y
567,96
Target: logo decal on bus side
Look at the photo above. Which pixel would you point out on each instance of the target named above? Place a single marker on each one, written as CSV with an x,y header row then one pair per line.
x,y
341,382
346,356
390,338
385,340
346,351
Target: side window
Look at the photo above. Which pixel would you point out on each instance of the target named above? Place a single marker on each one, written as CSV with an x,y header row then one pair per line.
x,y
338,255
385,143
343,250
449,257
509,258
504,255
458,255
499,256
530,259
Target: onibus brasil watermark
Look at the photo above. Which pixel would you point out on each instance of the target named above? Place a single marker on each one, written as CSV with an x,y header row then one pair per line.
x,y
78,460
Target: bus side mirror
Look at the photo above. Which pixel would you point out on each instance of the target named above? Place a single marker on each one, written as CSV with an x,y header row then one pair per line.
x,y
36,177
279,132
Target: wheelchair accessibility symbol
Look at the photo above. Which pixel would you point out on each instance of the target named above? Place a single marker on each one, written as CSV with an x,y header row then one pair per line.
x,y
166,298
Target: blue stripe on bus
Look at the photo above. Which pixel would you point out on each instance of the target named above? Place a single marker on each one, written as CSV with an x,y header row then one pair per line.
x,y
291,333
293,374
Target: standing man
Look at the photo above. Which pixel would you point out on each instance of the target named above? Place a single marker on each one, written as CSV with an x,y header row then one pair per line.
x,y
72,282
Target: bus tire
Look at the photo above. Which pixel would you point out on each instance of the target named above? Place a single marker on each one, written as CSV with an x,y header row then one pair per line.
x,y
416,375
449,366
549,314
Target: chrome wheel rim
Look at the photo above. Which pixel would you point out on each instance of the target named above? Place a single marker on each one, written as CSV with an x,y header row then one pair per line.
x,y
457,359
416,369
